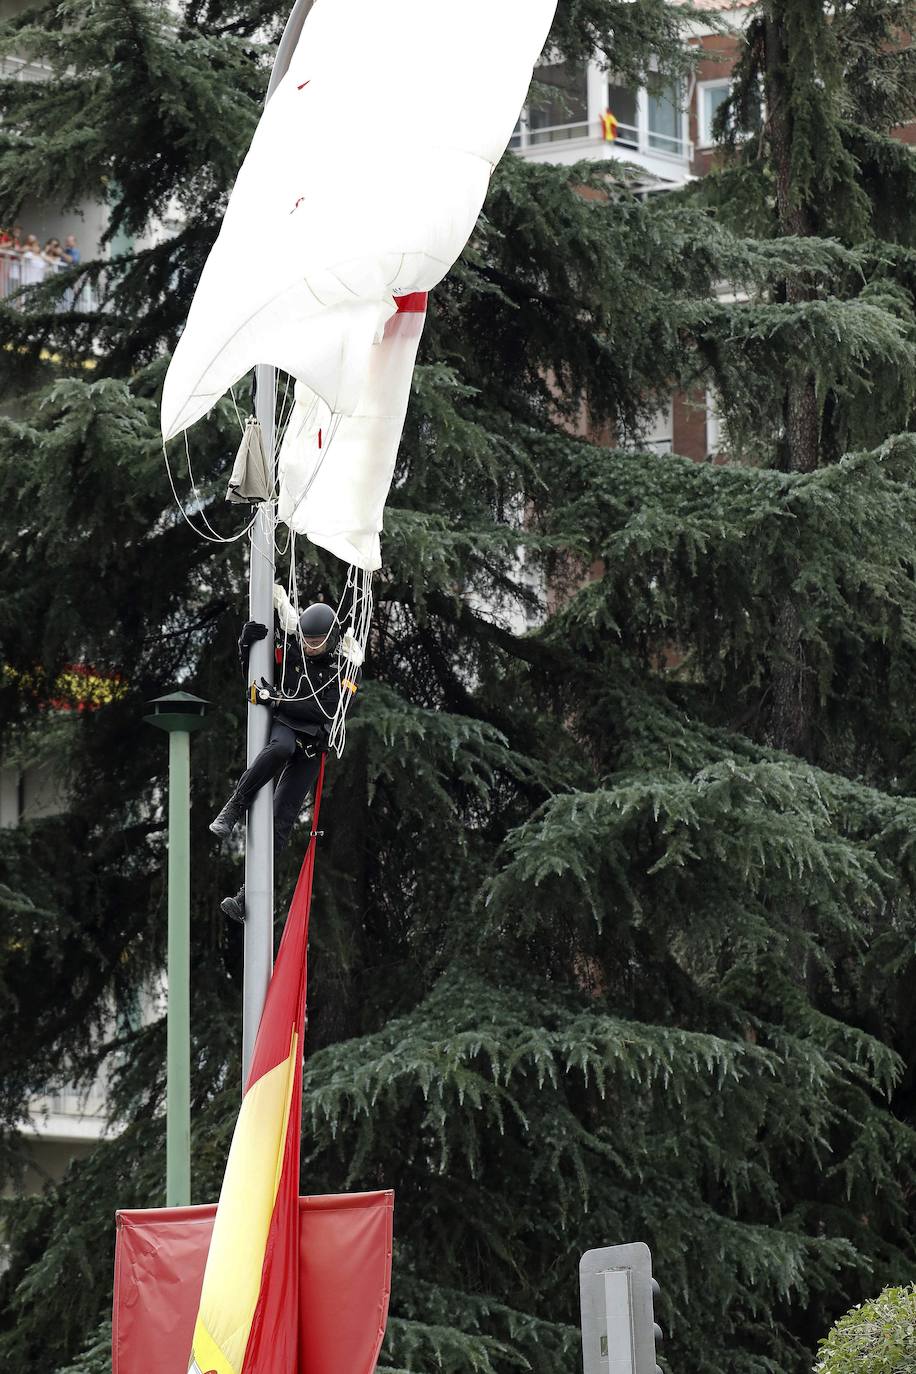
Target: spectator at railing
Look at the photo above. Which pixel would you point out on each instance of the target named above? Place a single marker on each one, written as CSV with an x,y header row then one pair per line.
x,y
23,262
33,262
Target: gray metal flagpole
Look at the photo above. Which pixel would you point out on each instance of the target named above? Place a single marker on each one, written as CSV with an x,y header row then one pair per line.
x,y
259,844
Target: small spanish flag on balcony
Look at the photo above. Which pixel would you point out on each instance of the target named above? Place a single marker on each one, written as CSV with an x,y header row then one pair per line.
x,y
610,125
247,1322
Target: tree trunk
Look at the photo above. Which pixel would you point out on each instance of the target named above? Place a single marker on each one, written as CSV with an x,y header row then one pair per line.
x,y
793,701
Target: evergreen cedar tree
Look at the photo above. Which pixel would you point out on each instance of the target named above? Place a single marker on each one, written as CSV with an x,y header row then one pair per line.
x,y
615,920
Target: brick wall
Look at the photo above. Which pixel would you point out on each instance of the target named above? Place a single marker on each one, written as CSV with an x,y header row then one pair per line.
x,y
690,425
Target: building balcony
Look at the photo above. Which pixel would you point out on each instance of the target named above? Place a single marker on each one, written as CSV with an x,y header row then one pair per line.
x,y
665,158
568,123
18,270
68,1117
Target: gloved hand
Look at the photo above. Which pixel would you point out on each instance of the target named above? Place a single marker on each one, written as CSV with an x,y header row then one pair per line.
x,y
289,620
265,694
252,631
350,649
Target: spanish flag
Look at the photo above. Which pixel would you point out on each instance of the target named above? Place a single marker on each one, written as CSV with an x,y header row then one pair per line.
x,y
248,1317
610,125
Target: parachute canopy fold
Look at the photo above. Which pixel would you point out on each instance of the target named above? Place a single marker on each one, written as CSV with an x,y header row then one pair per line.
x,y
362,184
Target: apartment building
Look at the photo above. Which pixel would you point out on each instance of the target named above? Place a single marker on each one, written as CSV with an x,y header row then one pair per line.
x,y
43,219
64,1125
666,137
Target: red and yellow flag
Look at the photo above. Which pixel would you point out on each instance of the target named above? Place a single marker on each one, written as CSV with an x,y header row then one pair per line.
x,y
610,125
248,1317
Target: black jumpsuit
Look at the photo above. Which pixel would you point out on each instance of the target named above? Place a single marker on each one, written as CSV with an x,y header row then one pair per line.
x,y
297,737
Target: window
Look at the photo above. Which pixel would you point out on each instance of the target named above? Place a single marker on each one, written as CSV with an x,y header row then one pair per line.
x,y
713,426
622,103
658,432
711,95
564,114
665,122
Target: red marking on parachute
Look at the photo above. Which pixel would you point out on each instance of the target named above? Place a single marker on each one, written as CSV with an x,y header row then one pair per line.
x,y
297,204
304,84
278,654
413,304
319,438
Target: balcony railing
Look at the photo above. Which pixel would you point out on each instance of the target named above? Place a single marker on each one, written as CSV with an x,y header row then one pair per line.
x,y
68,1116
18,270
69,1102
641,139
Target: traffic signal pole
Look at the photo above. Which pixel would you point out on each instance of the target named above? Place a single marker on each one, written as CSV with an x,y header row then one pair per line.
x,y
617,1294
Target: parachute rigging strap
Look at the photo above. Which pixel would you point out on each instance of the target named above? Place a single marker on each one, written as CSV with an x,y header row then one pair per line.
x,y
316,804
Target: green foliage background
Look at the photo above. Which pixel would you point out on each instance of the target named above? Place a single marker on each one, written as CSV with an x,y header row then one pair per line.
x,y
875,1338
615,921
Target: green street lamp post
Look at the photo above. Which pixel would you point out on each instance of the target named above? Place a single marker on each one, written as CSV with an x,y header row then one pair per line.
x,y
179,714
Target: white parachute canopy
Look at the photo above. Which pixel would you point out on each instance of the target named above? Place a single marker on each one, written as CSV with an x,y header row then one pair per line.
x,y
362,185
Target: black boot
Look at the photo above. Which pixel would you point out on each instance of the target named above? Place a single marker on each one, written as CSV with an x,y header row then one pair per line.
x,y
224,824
234,907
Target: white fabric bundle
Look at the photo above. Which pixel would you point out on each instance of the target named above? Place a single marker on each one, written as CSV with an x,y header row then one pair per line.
x,y
363,182
335,471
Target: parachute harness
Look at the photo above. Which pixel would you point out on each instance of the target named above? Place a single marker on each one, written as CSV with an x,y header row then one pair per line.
x,y
354,606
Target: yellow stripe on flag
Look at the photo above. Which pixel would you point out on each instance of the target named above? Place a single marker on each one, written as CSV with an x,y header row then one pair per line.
x,y
232,1280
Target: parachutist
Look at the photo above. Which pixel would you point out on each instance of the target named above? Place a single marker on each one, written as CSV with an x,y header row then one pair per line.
x,y
303,706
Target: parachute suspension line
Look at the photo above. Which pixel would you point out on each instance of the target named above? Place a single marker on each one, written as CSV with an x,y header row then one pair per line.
x,y
187,450
354,609
292,591
268,555
209,534
284,550
286,414
235,405
359,586
213,537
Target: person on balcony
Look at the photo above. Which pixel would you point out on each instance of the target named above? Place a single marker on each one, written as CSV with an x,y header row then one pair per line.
x,y
71,253
33,262
11,278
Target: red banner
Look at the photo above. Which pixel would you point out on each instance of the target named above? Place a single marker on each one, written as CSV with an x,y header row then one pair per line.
x,y
265,1282
344,1284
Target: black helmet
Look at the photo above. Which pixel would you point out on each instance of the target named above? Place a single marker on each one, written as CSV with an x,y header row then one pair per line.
x,y
318,622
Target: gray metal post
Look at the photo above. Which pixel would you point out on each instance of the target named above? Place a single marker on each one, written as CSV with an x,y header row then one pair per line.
x,y
259,845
